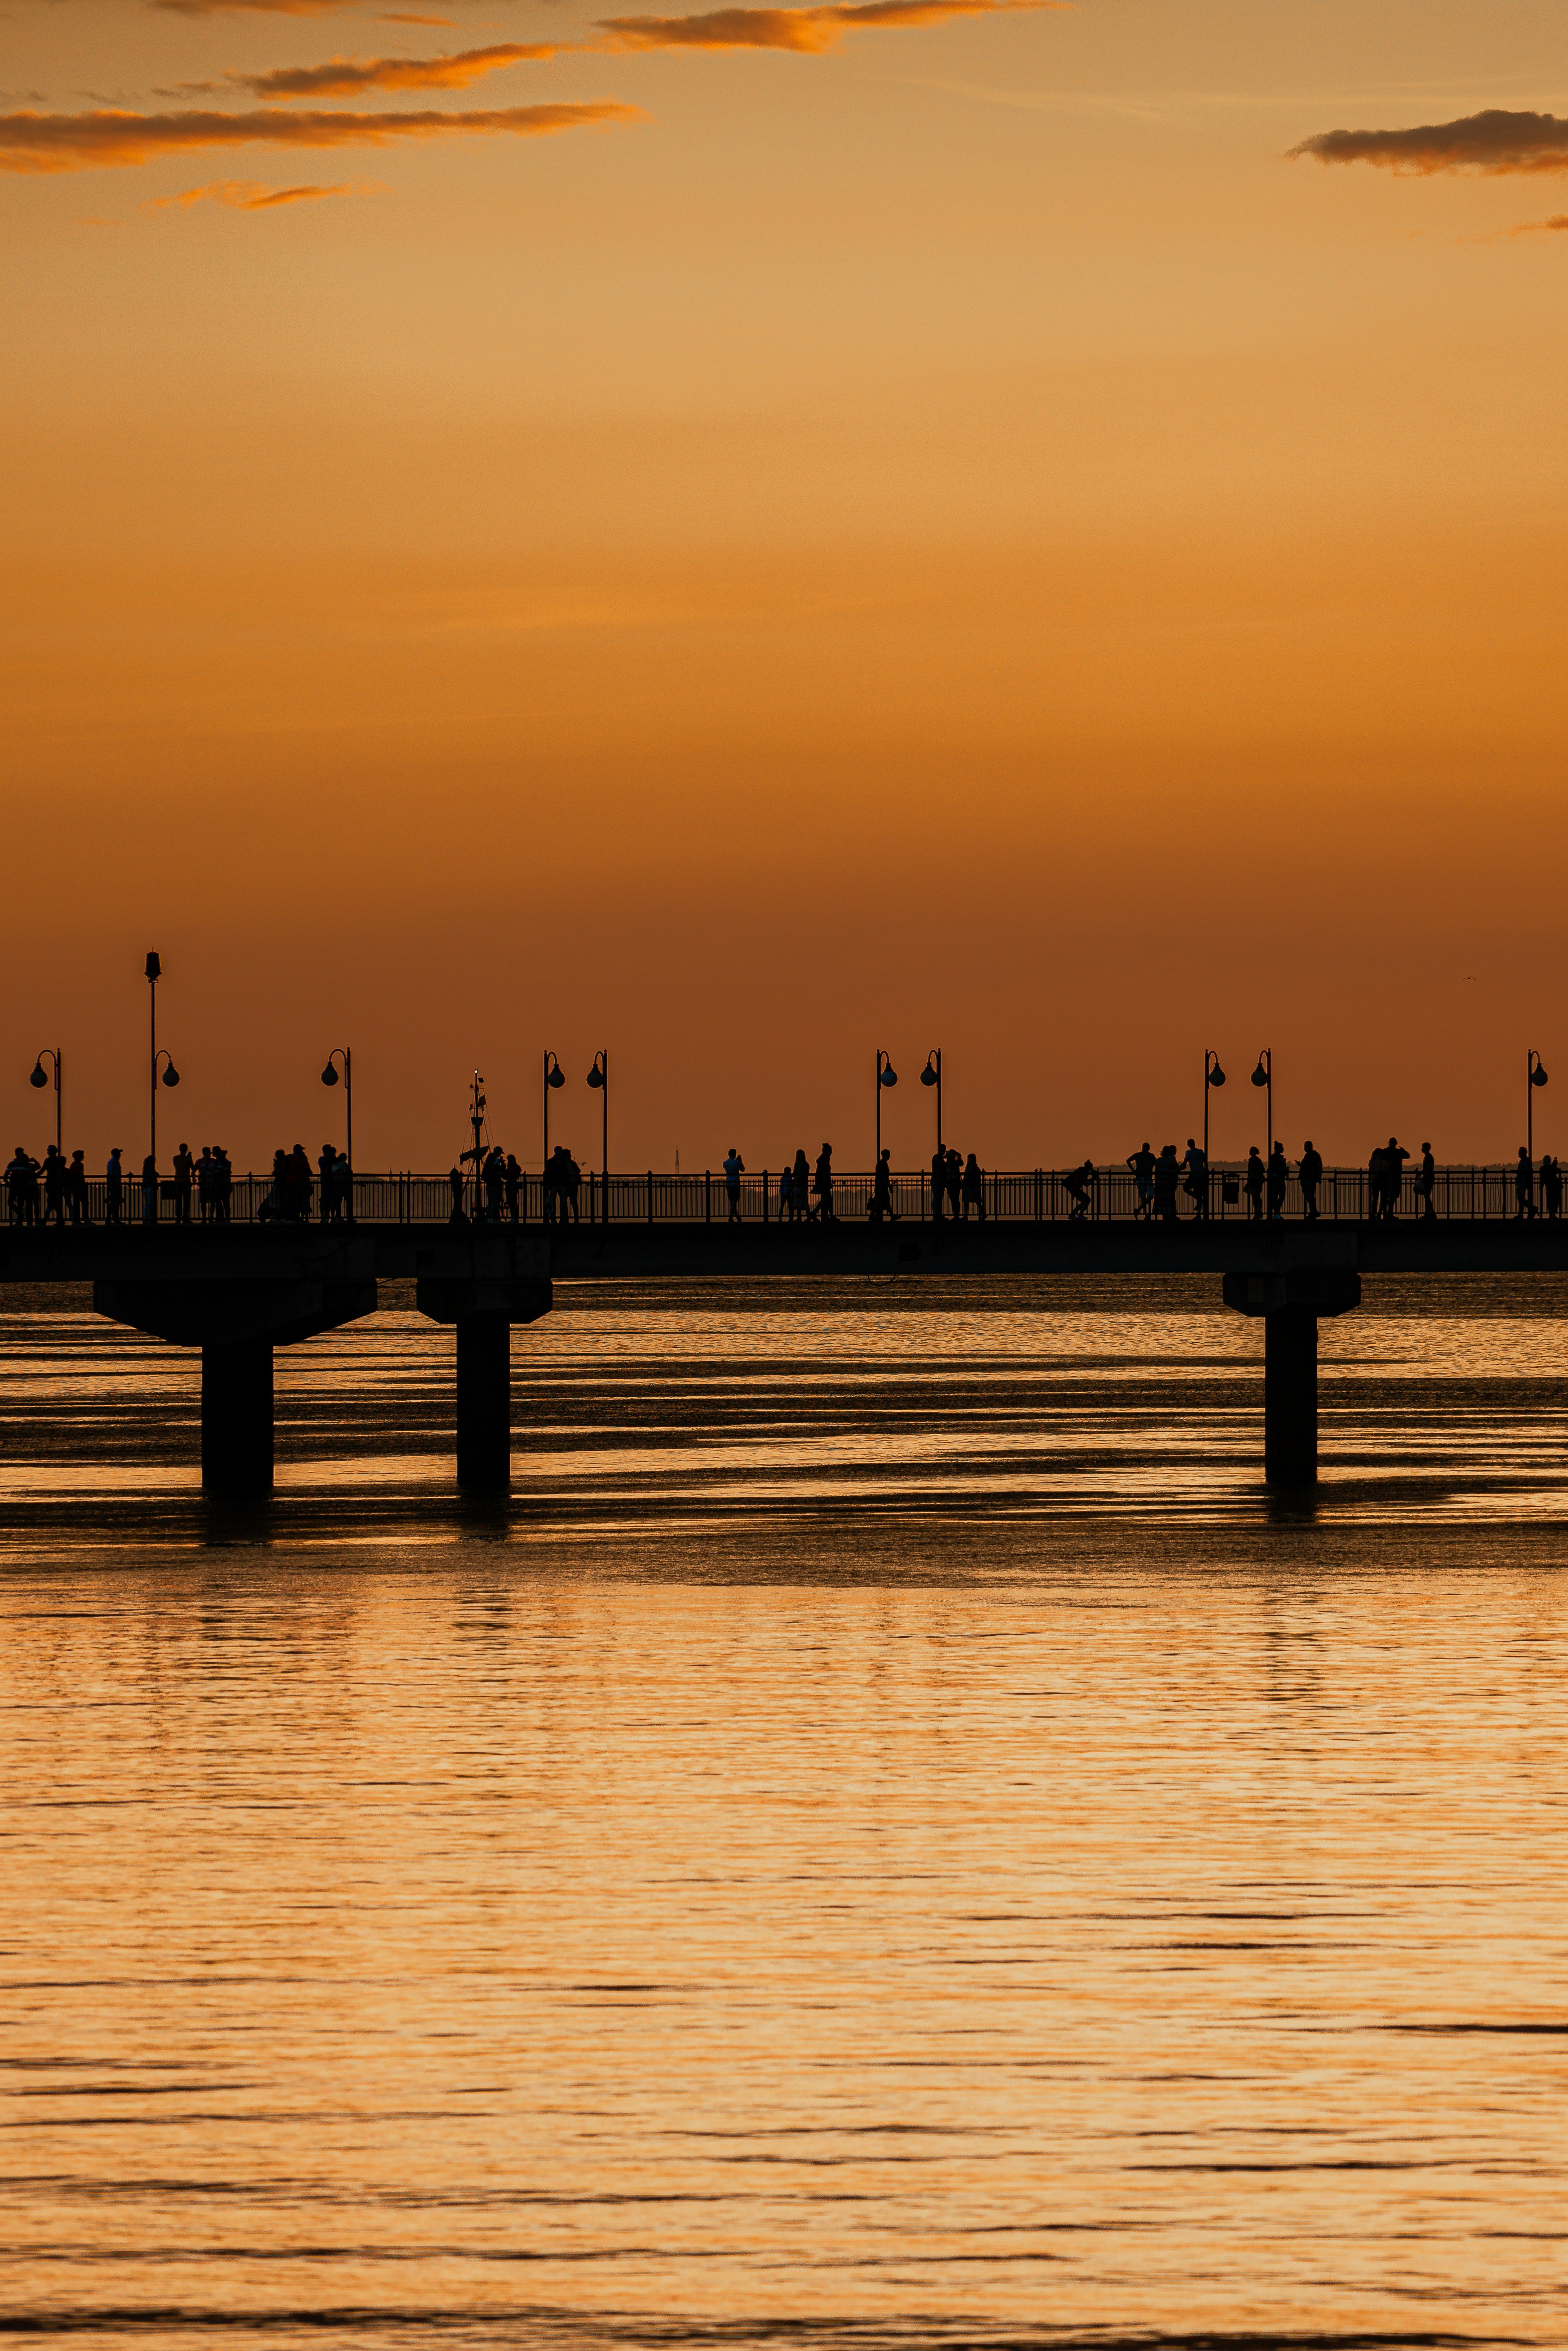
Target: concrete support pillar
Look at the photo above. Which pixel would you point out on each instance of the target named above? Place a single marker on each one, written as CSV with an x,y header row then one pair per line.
x,y
1291,1398
484,1404
236,1420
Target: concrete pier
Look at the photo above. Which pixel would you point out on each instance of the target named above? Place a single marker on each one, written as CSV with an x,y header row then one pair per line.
x,y
484,1404
1290,1301
236,1420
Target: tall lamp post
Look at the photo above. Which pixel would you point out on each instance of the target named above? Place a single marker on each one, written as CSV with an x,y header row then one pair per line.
x,y
887,1075
1213,1075
1263,1076
554,1076
36,1078
931,1075
1534,1075
600,1076
329,1078
171,1075
476,1121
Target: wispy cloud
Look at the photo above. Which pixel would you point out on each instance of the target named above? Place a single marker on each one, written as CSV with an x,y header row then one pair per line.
x,y
252,196
82,142
256,8
354,76
805,31
1495,141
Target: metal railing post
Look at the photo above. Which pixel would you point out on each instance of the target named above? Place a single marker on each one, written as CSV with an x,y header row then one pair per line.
x,y
649,1195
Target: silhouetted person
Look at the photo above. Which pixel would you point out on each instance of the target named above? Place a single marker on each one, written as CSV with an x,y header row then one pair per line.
x,y
938,1183
21,1173
571,1177
1167,1177
1255,1181
800,1189
1427,1182
113,1188
223,1184
1551,1186
822,1185
1142,1162
1077,1184
733,1169
1524,1184
1393,1158
973,1189
513,1186
303,1181
76,1189
54,1187
456,1185
1279,1179
882,1208
326,1174
150,1190
495,1176
955,1182
1195,1163
1311,1175
185,1175
206,1185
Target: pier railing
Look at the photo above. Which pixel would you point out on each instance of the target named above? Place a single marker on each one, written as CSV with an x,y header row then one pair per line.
x,y
1013,1196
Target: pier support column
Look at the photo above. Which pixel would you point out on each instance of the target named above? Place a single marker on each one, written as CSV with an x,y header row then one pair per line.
x,y
1291,1302
236,1420
484,1404
1291,1398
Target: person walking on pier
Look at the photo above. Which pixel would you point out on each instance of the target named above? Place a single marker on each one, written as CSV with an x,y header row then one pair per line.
x,y
1394,1157
1255,1180
800,1188
571,1177
206,1185
223,1184
1196,1163
21,1178
1167,1182
54,1187
150,1190
972,1188
1278,1180
733,1169
1310,1175
113,1188
1077,1184
938,1183
1142,1162
1524,1184
76,1189
881,1208
513,1186
1427,1182
822,1185
185,1175
1551,1187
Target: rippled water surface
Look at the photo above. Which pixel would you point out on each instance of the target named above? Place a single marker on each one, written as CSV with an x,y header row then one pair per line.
x,y
893,1836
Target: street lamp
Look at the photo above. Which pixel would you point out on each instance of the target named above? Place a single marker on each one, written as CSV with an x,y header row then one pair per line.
x,y
1534,1075
1263,1076
329,1078
931,1075
600,1076
1213,1075
171,1075
887,1075
554,1076
36,1078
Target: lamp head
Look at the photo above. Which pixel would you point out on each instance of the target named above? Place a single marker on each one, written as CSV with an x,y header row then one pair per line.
x,y
37,1077
329,1074
171,1075
928,1075
154,968
887,1076
596,1075
1261,1074
555,1075
1538,1075
1216,1075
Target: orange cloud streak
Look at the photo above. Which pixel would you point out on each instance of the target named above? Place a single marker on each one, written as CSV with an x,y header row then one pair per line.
x,y
252,196
804,31
83,142
1494,142
352,77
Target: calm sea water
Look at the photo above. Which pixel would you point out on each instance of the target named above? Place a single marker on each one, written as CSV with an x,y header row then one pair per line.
x,y
893,1838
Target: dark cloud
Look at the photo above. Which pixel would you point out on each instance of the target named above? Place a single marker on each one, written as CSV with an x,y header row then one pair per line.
x,y
354,76
83,142
804,31
1494,142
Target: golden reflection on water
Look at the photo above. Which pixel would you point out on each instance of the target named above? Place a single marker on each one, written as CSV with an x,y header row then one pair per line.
x,y
892,1836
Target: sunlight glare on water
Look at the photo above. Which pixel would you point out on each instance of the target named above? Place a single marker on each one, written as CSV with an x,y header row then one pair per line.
x,y
893,1836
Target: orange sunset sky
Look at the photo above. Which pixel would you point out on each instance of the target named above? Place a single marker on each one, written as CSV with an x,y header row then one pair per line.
x,y
742,539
